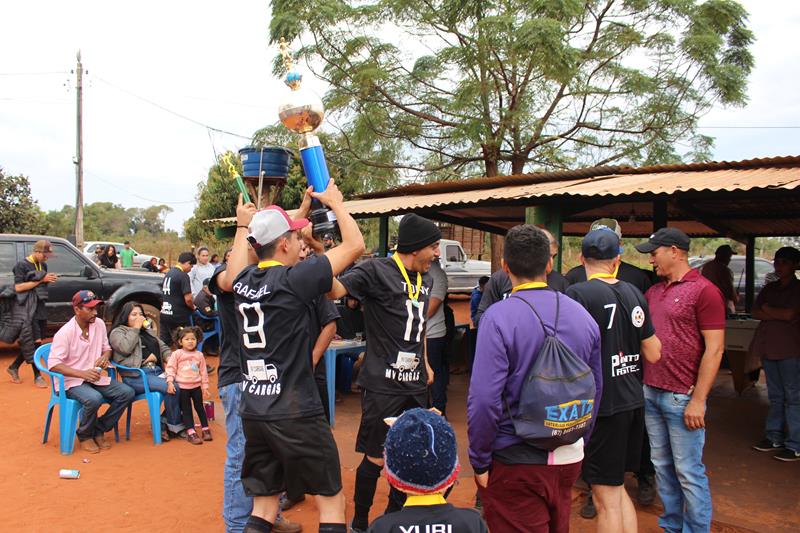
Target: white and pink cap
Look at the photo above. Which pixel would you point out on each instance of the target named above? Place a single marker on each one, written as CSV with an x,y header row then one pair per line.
x,y
270,223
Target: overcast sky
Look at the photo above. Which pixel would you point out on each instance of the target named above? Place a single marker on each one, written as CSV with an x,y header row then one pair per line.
x,y
209,61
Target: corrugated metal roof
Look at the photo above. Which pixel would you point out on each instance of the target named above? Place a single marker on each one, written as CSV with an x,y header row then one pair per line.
x,y
591,172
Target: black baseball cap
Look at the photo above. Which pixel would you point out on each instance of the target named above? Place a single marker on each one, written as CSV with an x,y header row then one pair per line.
x,y
665,237
601,243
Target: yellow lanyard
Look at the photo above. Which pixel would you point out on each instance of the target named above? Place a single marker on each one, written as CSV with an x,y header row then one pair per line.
x,y
531,285
37,266
603,275
269,263
424,499
413,294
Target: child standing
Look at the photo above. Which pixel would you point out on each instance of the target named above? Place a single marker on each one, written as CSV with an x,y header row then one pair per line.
x,y
421,459
187,366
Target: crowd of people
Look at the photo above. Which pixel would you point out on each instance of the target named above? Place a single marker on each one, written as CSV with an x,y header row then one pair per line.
x,y
601,372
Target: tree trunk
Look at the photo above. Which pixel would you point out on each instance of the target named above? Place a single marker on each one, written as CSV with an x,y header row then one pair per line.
x,y
490,160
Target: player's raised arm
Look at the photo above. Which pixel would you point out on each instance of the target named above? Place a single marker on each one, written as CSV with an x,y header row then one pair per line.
x,y
238,258
352,245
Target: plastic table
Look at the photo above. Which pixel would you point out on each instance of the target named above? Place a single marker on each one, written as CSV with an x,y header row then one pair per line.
x,y
333,351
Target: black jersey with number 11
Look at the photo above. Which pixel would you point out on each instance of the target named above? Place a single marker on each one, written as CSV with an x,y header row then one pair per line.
x,y
273,313
395,326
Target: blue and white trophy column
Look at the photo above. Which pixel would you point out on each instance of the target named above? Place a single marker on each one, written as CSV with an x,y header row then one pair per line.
x,y
302,112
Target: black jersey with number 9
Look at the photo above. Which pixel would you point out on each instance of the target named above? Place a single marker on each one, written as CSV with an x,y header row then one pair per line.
x,y
395,326
272,308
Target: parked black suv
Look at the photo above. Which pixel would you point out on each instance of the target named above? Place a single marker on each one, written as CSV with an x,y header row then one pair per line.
x,y
76,272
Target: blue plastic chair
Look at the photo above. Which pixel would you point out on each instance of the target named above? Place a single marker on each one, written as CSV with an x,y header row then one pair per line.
x,y
208,334
69,411
154,399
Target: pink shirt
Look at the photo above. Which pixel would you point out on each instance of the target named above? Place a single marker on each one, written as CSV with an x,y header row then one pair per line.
x,y
71,349
188,369
680,312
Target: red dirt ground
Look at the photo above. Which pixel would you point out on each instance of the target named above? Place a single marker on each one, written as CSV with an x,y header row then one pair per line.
x,y
137,486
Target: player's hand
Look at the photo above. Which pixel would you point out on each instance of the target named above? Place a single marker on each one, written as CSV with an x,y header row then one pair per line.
x,y
102,362
244,212
429,370
49,278
482,480
694,414
170,388
206,393
138,322
151,359
305,205
91,375
308,237
332,197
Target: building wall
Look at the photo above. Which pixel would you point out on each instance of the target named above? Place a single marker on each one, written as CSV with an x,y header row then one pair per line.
x,y
473,241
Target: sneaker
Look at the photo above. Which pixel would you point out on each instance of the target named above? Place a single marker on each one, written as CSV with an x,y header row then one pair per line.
x,y
588,510
283,525
647,490
207,435
766,445
102,442
194,438
14,375
89,446
164,435
40,382
355,529
787,455
287,504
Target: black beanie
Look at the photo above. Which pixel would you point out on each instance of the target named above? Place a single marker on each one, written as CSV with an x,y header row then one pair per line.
x,y
415,233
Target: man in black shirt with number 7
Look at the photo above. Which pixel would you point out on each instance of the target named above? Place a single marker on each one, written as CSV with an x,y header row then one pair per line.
x,y
395,292
288,443
627,337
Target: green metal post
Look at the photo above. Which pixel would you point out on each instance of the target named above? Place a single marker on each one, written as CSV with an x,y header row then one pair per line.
x,y
383,236
551,218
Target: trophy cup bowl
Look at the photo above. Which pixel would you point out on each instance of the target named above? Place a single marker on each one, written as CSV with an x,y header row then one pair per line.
x,y
301,111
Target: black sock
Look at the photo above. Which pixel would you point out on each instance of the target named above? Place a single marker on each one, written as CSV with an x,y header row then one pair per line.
x,y
17,362
36,372
256,524
332,528
367,475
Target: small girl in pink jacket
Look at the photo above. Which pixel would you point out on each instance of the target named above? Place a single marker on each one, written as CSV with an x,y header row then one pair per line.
x,y
187,366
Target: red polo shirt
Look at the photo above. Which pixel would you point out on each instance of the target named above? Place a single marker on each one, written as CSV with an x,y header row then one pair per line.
x,y
680,311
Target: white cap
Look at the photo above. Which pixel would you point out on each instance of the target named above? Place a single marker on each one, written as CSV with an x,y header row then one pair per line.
x,y
270,223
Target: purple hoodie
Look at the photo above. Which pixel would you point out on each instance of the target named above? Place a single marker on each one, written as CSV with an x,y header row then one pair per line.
x,y
509,341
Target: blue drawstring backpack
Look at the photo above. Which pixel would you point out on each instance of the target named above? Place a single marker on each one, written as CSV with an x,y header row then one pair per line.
x,y
556,403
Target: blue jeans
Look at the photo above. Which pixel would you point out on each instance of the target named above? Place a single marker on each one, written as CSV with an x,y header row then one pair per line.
x,y
437,358
677,455
172,409
91,397
236,506
783,389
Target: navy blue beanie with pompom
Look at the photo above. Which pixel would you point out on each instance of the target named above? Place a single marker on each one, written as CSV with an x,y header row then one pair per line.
x,y
421,454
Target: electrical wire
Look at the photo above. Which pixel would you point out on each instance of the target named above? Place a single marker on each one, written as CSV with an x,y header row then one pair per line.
x,y
170,111
134,194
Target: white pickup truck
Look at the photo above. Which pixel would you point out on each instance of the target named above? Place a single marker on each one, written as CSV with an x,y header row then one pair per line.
x,y
462,273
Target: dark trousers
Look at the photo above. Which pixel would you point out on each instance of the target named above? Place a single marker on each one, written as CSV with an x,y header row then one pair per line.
x,y
187,397
39,330
531,498
91,397
646,468
437,358
167,327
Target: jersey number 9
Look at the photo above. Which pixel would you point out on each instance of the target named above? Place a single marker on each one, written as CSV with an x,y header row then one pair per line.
x,y
253,325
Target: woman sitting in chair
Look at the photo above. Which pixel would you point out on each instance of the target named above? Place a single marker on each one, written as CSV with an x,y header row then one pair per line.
x,y
136,344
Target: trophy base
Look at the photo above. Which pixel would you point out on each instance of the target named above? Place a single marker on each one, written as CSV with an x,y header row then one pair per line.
x,y
323,221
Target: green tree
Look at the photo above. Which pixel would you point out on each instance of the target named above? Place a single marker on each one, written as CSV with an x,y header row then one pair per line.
x,y
149,219
447,88
216,198
19,212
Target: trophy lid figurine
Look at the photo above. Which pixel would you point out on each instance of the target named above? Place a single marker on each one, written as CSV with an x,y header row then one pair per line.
x,y
302,112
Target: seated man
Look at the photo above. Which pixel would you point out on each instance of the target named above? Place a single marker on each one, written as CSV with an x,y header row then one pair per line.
x,y
80,352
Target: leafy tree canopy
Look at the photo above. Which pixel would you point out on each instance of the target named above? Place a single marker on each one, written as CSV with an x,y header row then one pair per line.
x,y
19,212
448,88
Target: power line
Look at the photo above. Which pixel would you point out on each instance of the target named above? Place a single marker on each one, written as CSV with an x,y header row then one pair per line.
x,y
170,111
137,195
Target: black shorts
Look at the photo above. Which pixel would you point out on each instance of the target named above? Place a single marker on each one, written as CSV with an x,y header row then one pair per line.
x,y
298,456
615,448
376,406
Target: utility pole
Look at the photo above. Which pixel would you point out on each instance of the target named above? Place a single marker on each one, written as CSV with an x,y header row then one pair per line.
x,y
79,160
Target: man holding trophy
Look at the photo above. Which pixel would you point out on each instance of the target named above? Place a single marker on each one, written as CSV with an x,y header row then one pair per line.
x,y
289,445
